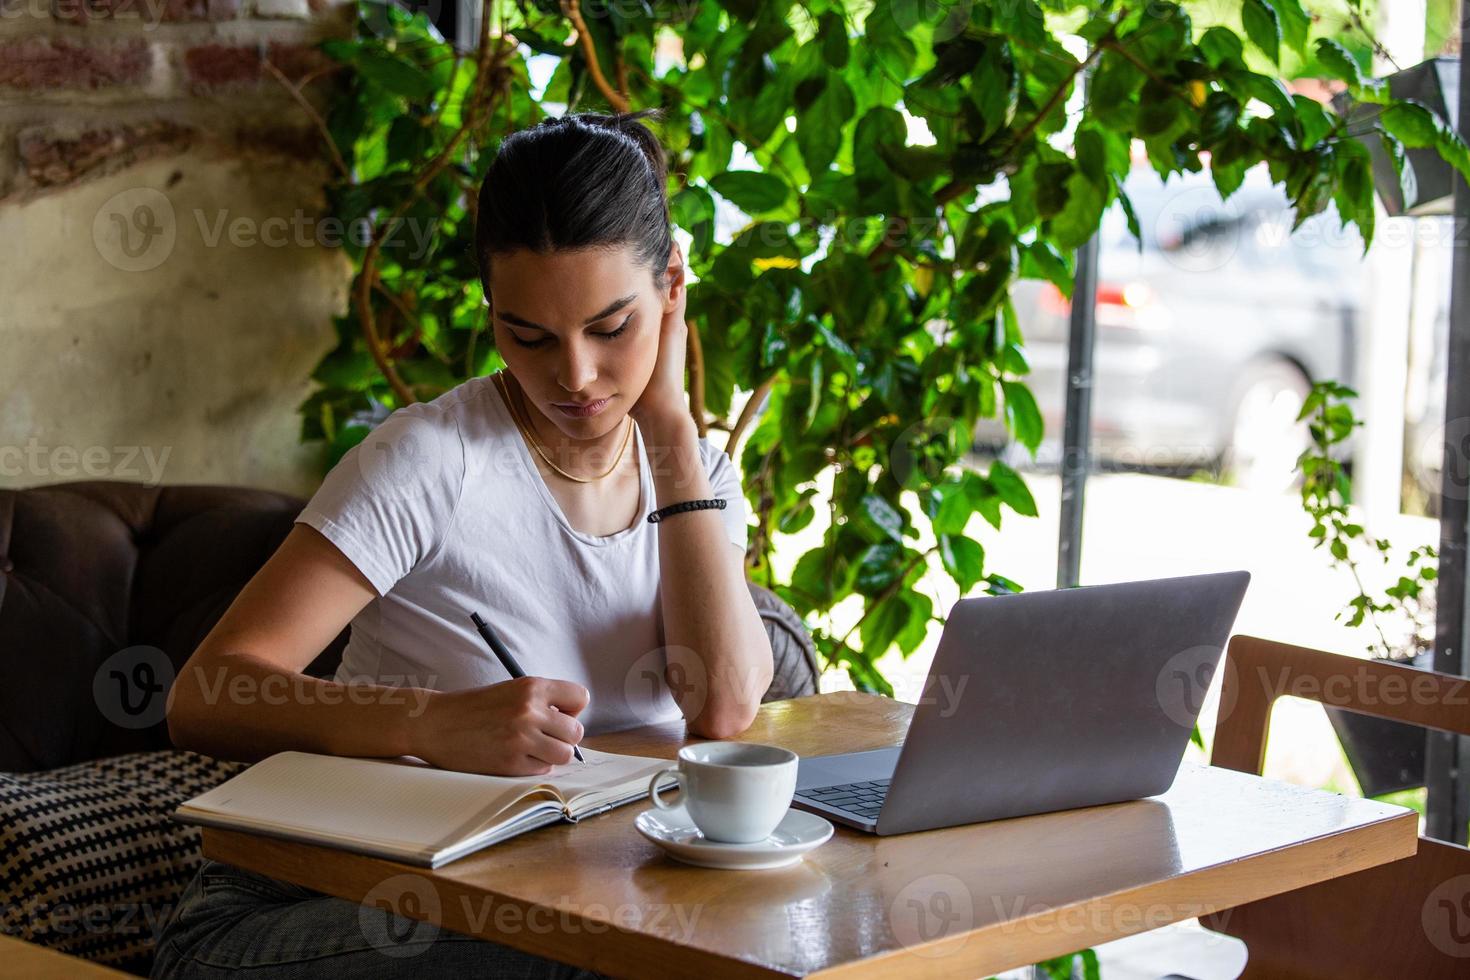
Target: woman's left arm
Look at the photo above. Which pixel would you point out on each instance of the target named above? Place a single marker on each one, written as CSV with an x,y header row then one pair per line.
x,y
719,656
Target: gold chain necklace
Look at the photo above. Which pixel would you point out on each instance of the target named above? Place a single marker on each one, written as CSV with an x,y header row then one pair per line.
x,y
525,429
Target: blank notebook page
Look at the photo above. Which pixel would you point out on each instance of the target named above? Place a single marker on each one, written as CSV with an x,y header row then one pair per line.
x,y
364,799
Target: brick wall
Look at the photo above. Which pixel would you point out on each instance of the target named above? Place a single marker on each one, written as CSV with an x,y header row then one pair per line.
x,y
91,86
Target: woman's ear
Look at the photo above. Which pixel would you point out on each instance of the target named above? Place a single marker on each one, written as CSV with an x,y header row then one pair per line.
x,y
674,276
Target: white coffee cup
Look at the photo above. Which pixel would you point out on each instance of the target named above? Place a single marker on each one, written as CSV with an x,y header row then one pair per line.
x,y
735,792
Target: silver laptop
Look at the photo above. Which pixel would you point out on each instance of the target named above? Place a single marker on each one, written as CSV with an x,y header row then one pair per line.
x,y
1041,701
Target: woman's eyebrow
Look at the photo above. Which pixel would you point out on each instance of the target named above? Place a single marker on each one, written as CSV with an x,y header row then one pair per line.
x,y
610,309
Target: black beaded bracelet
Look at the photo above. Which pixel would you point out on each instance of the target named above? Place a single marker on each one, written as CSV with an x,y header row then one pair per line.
x,y
662,512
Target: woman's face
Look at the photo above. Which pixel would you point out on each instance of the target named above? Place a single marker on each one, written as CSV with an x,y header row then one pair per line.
x,y
578,327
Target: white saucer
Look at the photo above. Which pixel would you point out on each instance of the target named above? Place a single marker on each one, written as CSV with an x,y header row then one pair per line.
x,y
674,831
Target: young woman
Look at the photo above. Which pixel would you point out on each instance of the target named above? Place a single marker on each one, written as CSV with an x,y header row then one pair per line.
x,y
523,496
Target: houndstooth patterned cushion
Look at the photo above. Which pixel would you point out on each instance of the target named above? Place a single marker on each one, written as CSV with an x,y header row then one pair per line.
x,y
90,862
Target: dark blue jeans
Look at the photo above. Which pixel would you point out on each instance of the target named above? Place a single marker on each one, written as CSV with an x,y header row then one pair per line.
x,y
231,921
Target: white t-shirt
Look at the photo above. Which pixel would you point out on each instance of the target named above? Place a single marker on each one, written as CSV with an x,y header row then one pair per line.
x,y
443,510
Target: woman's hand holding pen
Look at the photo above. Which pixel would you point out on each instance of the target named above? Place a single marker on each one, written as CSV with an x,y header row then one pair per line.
x,y
520,727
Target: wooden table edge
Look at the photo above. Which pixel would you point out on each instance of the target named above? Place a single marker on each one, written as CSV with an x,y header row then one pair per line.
x,y
1181,895
1043,934
637,954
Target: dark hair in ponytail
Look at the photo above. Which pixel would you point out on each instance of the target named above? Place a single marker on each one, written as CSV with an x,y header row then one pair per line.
x,y
577,182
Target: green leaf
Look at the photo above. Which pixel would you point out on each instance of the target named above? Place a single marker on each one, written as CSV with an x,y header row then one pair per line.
x,y
921,609
879,567
954,509
1222,48
751,191
397,75
993,88
1269,90
1408,181
799,516
815,380
819,125
1129,215
1227,177
888,44
1339,64
879,126
1159,111
1416,127
1354,195
1012,489
693,209
1041,260
1263,27
1314,121
1022,416
883,516
881,625
832,34
1218,117
1079,218
1412,123
1296,23
964,559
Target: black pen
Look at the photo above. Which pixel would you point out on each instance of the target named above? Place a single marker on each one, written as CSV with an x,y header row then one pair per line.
x,y
506,660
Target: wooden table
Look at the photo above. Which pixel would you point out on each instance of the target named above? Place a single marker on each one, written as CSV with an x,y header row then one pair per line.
x,y
958,902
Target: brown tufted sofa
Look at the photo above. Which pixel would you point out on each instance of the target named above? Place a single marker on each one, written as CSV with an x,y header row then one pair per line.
x,y
91,572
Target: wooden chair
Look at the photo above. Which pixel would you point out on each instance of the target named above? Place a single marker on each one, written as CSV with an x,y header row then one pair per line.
x,y
1410,918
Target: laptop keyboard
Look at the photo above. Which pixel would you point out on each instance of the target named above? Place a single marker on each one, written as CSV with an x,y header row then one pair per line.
x,y
862,799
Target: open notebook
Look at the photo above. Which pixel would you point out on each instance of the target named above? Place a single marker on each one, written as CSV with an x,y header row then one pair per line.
x,y
406,810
